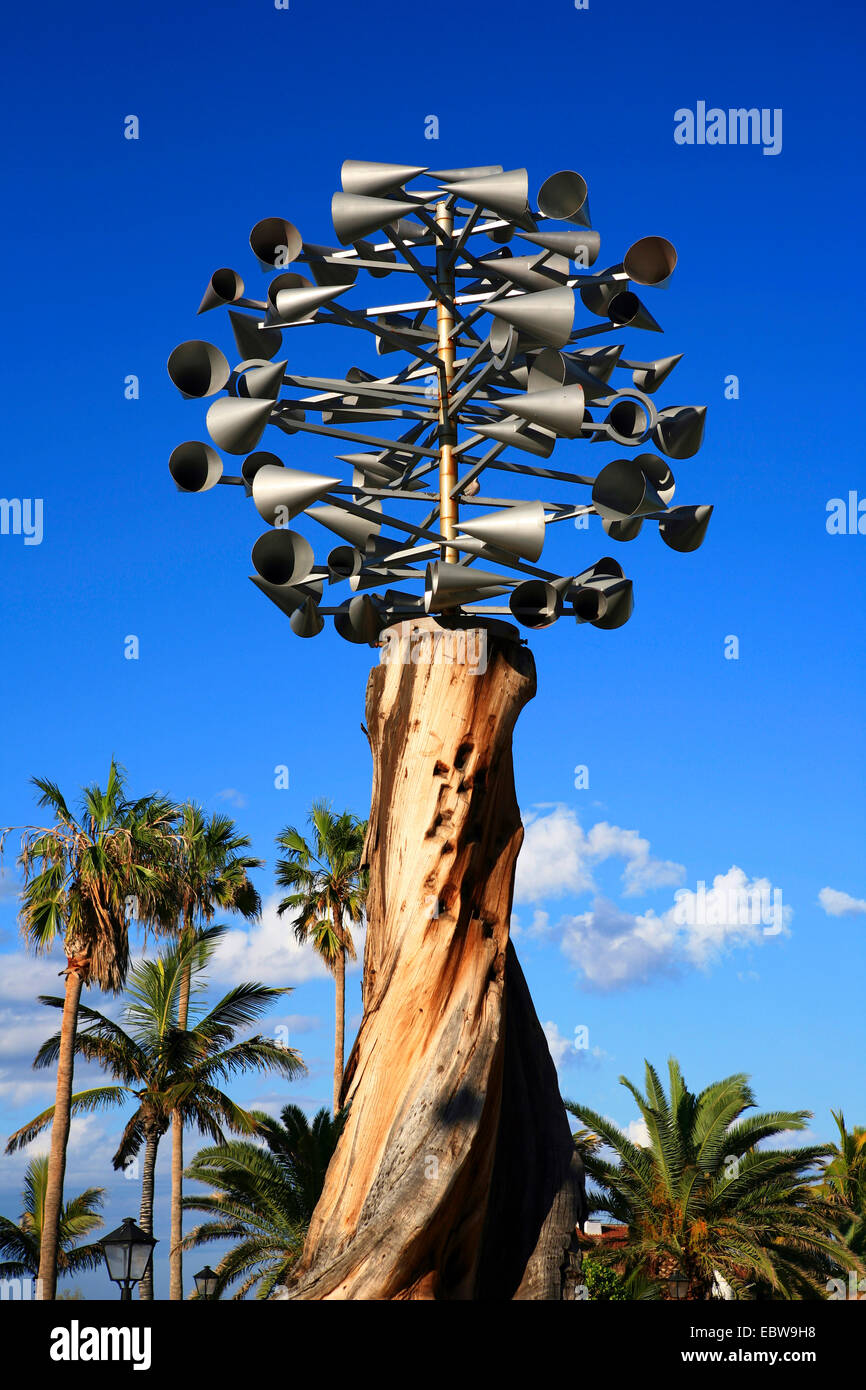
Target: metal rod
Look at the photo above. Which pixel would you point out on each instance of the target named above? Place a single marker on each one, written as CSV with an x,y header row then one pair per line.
x,y
445,343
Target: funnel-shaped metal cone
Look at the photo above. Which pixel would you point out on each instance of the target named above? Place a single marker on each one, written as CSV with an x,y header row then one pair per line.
x,y
328,272
237,425
619,603
286,598
623,530
684,528
627,311
195,467
551,368
224,287
367,177
293,305
622,490
472,171
410,231
519,530
275,241
253,341
546,317
580,246
307,621
506,194
361,619
680,430
289,280
283,557
650,378
650,261
262,383
563,197
356,216
520,270
658,473
598,361
559,409
344,561
354,529
597,298
375,474
261,459
198,369
535,603
628,422
605,568
531,438
281,493
447,586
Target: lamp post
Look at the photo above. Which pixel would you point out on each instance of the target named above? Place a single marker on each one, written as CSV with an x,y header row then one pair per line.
x,y
206,1282
128,1254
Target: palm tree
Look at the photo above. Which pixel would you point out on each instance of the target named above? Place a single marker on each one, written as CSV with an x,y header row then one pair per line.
x,y
263,1197
82,876
20,1241
703,1198
165,1069
212,873
330,887
843,1184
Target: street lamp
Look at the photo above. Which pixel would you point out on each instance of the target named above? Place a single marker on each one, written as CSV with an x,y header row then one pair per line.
x,y
678,1285
206,1282
128,1254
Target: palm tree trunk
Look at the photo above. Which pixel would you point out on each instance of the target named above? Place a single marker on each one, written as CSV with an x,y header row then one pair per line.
x,y
175,1254
145,1219
339,1025
46,1283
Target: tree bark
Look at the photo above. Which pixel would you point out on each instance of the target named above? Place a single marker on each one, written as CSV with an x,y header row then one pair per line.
x,y
46,1283
175,1253
456,1176
145,1219
339,1024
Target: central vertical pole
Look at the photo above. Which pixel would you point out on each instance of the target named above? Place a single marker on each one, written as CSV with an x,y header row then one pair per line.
x,y
446,350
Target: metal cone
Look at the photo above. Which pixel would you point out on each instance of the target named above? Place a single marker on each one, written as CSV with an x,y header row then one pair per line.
x,y
281,493
355,216
546,316
520,530
369,178
237,425
559,409
684,528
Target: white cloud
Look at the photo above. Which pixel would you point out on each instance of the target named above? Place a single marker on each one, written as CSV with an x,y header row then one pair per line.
x,y
566,1051
233,796
558,857
838,904
267,951
24,976
613,948
562,1049
637,1132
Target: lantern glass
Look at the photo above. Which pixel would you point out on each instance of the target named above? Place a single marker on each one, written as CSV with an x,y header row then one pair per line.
x,y
117,1258
128,1252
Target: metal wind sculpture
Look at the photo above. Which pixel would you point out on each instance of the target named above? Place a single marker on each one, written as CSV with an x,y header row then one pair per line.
x,y
493,373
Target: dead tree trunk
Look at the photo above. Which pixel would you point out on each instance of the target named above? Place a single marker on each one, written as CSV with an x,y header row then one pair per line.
x,y
456,1176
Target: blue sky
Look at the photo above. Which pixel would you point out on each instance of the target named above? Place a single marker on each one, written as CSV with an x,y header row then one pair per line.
x,y
753,764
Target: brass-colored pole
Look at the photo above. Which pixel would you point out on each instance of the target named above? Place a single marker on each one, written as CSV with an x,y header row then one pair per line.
x,y
446,350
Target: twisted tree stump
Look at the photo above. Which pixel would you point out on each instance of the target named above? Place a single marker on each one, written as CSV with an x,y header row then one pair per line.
x,y
456,1176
